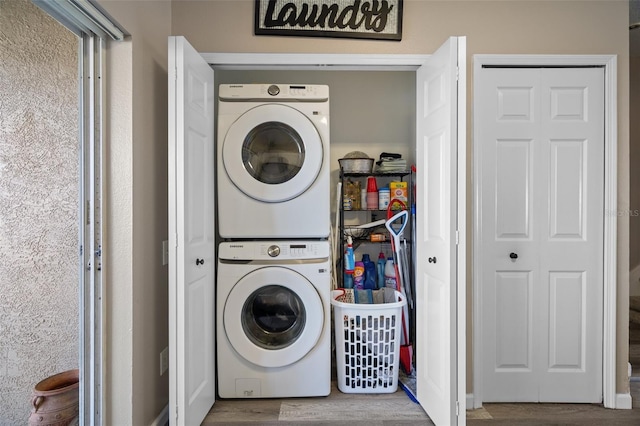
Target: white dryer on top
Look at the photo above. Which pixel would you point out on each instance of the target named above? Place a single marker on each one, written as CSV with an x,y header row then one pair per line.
x,y
273,161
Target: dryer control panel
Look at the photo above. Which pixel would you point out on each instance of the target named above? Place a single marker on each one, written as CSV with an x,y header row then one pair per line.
x,y
280,92
273,250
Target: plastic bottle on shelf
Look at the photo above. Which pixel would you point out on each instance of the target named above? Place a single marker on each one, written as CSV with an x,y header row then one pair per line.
x,y
390,275
358,276
380,270
384,197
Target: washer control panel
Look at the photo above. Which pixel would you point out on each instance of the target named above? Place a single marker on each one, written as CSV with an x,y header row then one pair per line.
x,y
273,250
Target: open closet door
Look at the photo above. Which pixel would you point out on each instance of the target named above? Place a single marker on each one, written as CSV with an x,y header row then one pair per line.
x,y
191,235
440,233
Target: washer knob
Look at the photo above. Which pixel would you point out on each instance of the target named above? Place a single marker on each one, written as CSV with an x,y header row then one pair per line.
x,y
273,251
273,90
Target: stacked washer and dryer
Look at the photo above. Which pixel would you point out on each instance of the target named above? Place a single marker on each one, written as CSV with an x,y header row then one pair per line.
x,y
273,278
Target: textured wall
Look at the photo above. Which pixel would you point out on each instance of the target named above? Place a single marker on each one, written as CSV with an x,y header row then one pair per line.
x,y
38,203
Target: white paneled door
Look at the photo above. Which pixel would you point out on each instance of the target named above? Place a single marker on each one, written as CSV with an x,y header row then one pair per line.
x,y
440,277
541,136
191,235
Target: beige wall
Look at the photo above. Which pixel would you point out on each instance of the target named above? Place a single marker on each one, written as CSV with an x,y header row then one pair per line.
x,y
496,27
136,213
39,157
138,304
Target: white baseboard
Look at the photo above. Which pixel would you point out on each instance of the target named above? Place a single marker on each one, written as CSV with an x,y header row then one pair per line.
x,y
163,417
470,402
623,401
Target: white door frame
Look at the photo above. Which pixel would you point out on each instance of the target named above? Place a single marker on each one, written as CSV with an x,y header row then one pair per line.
x,y
609,63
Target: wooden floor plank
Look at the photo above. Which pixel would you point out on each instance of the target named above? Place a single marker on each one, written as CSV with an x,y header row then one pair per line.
x,y
396,409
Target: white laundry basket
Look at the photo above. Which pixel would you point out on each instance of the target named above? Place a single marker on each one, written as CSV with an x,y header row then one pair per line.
x,y
367,344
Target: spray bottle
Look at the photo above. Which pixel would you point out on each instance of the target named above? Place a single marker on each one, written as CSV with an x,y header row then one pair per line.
x,y
349,264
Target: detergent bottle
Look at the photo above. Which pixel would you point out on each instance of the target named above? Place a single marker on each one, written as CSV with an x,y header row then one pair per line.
x,y
390,274
380,270
369,272
358,276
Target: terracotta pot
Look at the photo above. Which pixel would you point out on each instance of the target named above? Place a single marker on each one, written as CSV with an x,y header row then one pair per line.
x,y
55,400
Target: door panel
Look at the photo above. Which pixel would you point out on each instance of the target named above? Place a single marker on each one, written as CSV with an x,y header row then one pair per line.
x,y
567,327
513,189
567,189
538,158
440,285
573,114
191,234
437,223
513,321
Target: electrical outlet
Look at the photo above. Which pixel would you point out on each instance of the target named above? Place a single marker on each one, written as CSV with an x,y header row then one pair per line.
x,y
164,360
165,252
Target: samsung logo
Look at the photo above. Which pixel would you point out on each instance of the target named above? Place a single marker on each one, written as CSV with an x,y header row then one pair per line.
x,y
236,246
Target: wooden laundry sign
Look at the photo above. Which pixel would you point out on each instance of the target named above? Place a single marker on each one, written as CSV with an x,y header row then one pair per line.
x,y
371,19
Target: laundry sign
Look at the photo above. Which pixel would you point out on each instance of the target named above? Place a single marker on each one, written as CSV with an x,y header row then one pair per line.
x,y
372,19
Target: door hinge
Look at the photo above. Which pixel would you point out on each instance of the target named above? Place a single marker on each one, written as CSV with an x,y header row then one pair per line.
x,y
457,238
457,408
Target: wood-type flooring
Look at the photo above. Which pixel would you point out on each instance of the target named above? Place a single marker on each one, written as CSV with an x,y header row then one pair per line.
x,y
397,409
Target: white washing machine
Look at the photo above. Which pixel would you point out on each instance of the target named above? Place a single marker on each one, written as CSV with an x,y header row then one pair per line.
x,y
273,161
273,319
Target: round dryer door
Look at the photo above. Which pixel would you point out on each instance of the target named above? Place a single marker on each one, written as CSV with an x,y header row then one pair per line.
x,y
273,317
272,153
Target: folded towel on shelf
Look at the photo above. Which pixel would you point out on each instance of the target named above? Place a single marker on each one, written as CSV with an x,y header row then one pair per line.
x,y
392,166
390,162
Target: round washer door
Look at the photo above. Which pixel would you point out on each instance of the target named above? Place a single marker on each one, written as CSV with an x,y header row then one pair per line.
x,y
272,153
273,317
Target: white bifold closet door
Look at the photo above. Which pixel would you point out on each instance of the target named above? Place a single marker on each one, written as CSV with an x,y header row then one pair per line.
x,y
542,199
